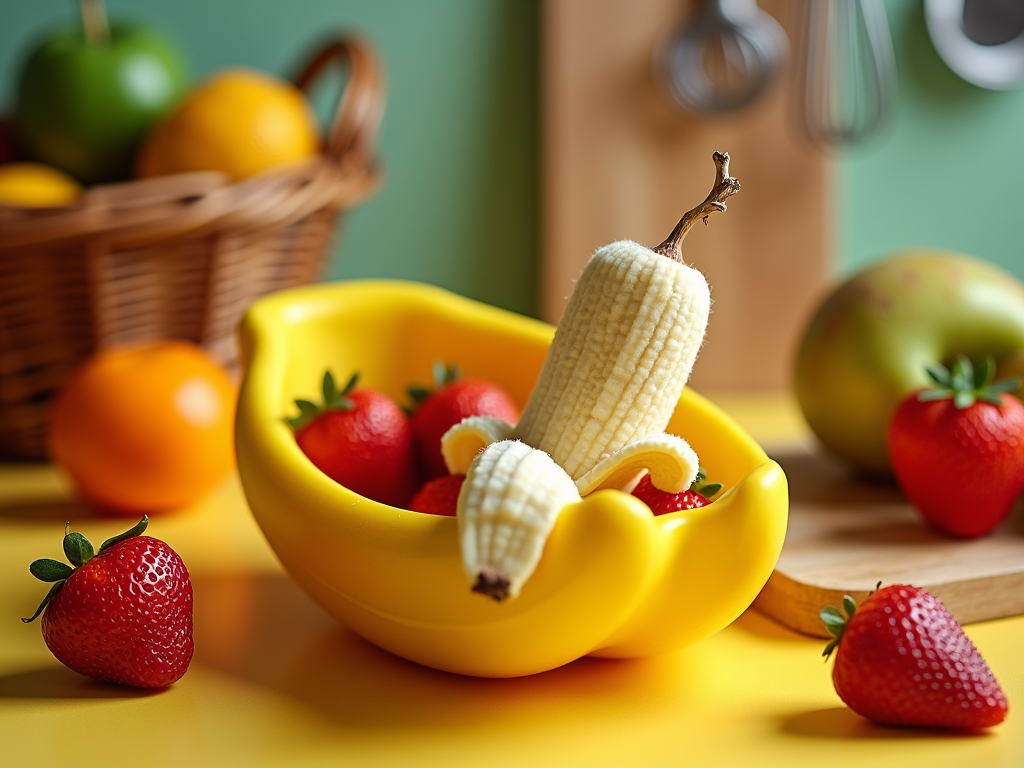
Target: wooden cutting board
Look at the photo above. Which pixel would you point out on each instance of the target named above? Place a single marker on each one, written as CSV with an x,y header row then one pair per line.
x,y
846,534
621,161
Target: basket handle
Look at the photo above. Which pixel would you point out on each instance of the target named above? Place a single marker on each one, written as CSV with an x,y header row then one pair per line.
x,y
353,131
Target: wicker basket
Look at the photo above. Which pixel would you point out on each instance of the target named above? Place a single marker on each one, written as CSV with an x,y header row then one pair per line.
x,y
174,257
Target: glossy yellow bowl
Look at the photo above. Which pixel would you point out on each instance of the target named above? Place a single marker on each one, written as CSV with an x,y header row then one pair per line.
x,y
613,581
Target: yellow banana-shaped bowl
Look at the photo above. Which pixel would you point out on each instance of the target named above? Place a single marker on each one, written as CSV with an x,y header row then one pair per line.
x,y
613,581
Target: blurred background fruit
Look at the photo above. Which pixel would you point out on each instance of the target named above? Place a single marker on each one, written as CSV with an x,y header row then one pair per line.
x,y
86,96
240,121
145,428
870,340
35,184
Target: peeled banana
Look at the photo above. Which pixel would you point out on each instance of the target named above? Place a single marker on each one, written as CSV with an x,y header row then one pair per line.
x,y
620,358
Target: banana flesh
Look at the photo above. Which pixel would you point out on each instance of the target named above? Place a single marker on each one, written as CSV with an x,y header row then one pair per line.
x,y
510,499
615,371
621,358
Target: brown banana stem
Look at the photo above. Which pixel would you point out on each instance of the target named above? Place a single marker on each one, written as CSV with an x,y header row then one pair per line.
x,y
725,186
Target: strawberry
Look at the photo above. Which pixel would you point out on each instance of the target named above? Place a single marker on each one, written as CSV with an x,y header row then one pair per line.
x,y
451,400
361,439
123,614
699,494
957,449
903,660
439,496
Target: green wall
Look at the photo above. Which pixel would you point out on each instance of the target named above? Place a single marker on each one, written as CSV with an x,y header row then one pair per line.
x,y
459,140
949,173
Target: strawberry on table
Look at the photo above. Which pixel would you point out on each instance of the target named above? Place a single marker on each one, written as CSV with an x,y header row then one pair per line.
x,y
439,496
901,659
957,449
699,494
359,438
122,614
452,399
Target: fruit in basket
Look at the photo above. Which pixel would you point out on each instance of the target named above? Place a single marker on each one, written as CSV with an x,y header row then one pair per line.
x,y
870,342
240,122
451,399
698,495
902,660
620,358
86,97
145,428
359,438
122,614
957,448
36,185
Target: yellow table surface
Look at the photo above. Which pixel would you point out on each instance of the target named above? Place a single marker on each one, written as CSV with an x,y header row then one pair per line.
x,y
276,682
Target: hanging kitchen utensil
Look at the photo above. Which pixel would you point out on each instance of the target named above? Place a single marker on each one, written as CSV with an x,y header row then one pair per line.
x,y
981,40
724,59
847,86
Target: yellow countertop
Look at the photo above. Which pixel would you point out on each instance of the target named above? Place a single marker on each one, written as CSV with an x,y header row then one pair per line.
x,y
276,682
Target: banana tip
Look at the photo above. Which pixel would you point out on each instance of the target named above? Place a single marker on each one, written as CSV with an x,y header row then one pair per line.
x,y
494,585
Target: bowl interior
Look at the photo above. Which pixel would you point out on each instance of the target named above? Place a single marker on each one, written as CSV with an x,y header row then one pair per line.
x,y
391,333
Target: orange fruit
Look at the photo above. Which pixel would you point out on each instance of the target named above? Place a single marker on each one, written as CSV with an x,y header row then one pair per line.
x,y
240,122
35,184
145,428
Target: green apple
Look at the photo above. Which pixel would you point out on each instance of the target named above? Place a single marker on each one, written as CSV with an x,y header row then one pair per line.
x,y
869,343
86,98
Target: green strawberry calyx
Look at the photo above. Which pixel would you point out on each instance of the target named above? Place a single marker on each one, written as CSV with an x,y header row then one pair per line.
x,y
836,622
333,400
966,384
443,374
78,551
705,489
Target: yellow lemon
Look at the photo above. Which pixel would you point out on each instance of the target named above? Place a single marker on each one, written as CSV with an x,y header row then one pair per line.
x,y
36,185
240,122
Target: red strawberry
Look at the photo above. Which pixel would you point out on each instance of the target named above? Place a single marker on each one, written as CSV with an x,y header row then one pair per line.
x,y
903,660
439,496
452,400
123,614
957,450
699,494
361,439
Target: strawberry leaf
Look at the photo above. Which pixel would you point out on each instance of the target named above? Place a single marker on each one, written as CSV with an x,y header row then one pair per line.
x,y
77,549
709,490
967,383
138,529
836,623
985,372
850,606
329,388
47,569
418,393
1006,385
49,596
963,374
940,375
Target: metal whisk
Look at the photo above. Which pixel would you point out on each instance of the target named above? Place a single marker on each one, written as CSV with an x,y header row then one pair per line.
x,y
848,87
725,57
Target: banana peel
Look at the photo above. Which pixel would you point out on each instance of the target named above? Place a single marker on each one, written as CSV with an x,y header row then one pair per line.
x,y
613,581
